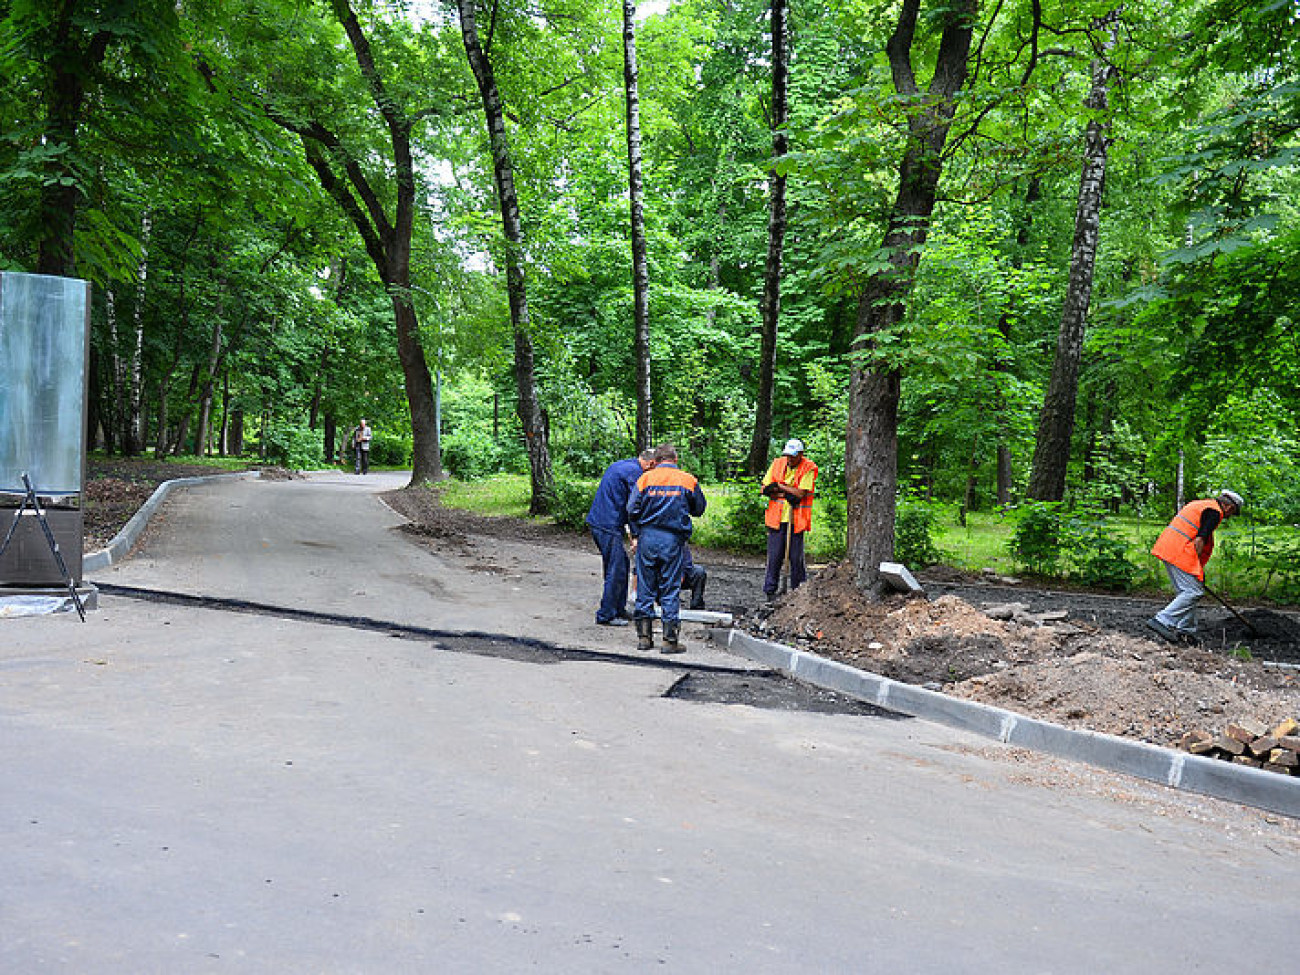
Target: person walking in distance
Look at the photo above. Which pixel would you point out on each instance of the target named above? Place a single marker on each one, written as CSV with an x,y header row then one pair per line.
x,y
1184,547
659,516
361,446
788,486
607,520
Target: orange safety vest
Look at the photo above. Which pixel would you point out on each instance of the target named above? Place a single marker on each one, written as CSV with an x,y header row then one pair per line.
x,y
780,511
1175,543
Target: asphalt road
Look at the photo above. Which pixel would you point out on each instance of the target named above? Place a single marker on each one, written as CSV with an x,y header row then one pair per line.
x,y
197,790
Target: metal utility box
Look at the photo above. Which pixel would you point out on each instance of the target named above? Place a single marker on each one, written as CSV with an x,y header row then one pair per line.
x,y
44,352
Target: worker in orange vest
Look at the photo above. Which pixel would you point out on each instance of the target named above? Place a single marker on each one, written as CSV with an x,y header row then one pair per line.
x,y
1184,547
788,486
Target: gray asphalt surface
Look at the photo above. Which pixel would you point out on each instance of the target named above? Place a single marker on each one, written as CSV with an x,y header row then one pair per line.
x,y
196,790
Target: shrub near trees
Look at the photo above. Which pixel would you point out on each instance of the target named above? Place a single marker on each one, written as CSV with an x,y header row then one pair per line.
x,y
302,224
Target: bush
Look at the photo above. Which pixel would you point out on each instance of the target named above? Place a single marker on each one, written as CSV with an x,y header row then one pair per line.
x,y
471,455
1039,533
390,449
740,524
830,524
1097,556
915,523
571,503
293,446
1282,581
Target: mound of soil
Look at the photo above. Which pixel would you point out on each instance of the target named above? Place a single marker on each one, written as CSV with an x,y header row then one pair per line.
x,y
1085,666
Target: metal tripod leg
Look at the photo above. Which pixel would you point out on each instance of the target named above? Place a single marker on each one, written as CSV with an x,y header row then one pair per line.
x,y
31,499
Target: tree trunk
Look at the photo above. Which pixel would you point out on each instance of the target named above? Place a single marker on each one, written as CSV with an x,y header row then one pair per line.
x,y
528,407
133,433
1004,471
117,406
388,244
776,223
1056,421
74,58
202,439
640,268
871,448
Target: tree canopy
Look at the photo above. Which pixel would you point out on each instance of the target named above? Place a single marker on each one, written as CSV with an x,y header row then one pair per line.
x,y
292,214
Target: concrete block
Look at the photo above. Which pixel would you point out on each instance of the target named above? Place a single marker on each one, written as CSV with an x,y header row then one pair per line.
x,y
896,574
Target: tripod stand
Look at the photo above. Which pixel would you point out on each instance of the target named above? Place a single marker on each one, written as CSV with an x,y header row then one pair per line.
x,y
31,499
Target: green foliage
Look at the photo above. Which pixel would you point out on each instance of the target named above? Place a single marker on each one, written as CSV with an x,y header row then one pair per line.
x,y
471,454
295,446
1047,540
1252,448
736,520
1038,536
390,449
1096,555
828,536
1118,472
915,523
1281,558
571,503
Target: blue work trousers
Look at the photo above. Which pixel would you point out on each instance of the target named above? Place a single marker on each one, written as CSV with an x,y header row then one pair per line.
x,y
613,558
660,561
776,556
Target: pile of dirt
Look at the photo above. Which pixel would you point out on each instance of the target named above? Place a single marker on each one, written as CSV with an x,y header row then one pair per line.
x,y
1082,675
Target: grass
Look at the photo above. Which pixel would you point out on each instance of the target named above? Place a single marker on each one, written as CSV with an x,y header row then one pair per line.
x,y
502,494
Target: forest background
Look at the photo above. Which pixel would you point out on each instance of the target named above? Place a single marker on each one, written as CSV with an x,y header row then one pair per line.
x,y
976,255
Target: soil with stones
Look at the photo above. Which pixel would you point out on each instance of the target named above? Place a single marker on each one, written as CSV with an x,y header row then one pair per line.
x,y
1074,657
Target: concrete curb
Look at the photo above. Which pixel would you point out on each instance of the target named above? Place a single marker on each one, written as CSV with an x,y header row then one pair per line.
x,y
1178,770
120,546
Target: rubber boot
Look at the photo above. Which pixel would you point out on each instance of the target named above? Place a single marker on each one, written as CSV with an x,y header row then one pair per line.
x,y
645,634
671,629
697,589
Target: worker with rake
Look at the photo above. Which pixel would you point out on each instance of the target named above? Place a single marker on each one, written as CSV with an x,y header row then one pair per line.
x,y
1184,547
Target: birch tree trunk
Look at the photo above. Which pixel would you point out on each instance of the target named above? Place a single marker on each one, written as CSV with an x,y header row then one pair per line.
x,y
527,405
776,223
133,425
871,448
112,422
636,201
1056,421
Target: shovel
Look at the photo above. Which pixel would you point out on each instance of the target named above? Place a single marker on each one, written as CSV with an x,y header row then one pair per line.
x,y
1244,622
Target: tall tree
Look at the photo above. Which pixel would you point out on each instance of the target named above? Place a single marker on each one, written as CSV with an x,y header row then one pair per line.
x,y
871,448
776,222
343,173
527,404
636,202
1056,422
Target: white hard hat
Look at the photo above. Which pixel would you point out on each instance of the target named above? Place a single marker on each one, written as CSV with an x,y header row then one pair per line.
x,y
1232,496
793,448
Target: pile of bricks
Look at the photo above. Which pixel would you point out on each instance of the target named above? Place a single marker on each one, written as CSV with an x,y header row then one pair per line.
x,y
1251,743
